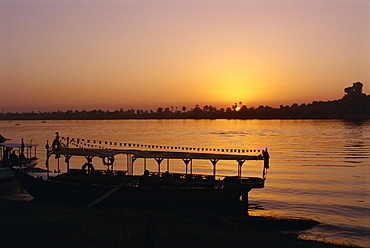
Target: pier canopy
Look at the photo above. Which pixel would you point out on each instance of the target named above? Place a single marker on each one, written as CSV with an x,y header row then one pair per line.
x,y
152,154
91,148
190,155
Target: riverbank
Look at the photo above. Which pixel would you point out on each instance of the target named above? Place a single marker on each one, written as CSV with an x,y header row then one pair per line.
x,y
30,223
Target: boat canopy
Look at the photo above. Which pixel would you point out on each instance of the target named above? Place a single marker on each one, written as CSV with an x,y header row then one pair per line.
x,y
16,145
89,151
152,154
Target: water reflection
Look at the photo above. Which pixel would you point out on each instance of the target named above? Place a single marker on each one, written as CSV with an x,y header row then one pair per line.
x,y
319,168
356,138
355,123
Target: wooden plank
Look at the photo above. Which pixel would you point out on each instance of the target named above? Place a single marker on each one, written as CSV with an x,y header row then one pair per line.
x,y
110,192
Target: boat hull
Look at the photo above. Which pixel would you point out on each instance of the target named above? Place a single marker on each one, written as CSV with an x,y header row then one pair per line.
x,y
6,174
53,191
8,182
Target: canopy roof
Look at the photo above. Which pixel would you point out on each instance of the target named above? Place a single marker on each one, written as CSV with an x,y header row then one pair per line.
x,y
153,154
16,145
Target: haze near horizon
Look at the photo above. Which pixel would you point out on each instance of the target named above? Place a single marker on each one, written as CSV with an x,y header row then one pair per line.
x,y
64,55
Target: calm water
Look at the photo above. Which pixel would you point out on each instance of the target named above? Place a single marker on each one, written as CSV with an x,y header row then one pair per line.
x,y
319,168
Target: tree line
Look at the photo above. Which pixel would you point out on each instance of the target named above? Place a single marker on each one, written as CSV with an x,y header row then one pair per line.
x,y
354,104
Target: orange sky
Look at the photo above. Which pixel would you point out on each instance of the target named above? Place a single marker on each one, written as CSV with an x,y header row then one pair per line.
x,y
75,55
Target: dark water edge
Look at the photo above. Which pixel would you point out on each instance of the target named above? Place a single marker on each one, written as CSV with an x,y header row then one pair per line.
x,y
30,223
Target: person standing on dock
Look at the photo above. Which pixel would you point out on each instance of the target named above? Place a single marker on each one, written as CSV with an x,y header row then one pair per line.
x,y
56,142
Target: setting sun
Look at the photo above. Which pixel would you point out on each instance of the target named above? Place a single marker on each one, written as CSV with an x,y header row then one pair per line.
x,y
237,108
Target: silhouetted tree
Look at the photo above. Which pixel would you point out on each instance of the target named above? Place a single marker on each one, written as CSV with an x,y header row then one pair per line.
x,y
234,106
197,110
355,102
159,110
356,89
243,109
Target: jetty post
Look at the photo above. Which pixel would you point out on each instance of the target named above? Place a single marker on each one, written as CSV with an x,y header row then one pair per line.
x,y
214,162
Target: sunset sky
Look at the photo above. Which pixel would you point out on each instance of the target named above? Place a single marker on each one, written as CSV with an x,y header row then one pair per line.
x,y
144,54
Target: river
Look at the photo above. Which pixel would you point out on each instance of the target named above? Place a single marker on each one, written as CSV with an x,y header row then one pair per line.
x,y
319,169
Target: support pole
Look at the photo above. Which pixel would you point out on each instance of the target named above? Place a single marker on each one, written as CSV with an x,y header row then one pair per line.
x,y
58,167
240,163
159,161
68,157
186,161
127,163
133,159
214,162
48,154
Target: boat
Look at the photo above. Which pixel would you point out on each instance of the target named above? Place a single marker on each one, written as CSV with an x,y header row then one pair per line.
x,y
89,186
20,155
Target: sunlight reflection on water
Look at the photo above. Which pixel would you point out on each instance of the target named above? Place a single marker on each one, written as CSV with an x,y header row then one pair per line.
x,y
319,168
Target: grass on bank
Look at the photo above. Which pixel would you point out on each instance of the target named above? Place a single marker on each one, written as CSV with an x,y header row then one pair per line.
x,y
34,224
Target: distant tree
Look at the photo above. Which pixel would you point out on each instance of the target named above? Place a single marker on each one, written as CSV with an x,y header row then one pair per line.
x,y
356,89
212,109
159,110
234,106
355,101
243,109
197,109
294,106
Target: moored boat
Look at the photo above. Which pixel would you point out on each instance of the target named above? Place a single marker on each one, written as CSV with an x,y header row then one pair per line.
x,y
90,187
18,155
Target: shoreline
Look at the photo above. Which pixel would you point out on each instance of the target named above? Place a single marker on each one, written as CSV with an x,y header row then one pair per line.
x,y
44,225
347,118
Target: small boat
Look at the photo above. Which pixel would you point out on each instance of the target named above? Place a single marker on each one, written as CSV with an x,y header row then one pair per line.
x,y
88,186
20,155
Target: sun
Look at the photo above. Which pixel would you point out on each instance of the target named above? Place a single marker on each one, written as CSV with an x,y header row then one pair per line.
x,y
237,108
